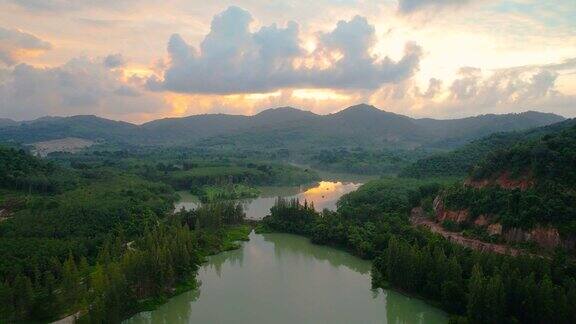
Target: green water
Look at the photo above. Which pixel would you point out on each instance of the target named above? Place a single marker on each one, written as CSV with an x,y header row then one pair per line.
x,y
282,278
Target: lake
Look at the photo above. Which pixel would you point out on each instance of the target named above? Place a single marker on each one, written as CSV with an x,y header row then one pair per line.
x,y
324,194
283,278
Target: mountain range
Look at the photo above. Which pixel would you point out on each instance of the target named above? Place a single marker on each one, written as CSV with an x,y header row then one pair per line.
x,y
361,125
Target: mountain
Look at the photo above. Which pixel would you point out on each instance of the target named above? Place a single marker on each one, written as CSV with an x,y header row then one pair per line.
x,y
523,193
550,157
4,122
280,115
456,132
286,127
82,126
369,127
460,161
378,126
189,130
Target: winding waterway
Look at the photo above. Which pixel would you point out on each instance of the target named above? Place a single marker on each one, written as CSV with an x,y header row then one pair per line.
x,y
283,278
324,194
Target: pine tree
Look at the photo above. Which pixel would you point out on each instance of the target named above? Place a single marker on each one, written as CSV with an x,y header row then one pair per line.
x,y
495,300
23,297
476,296
6,302
71,281
546,301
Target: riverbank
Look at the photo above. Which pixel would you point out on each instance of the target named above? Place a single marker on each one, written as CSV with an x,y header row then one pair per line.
x,y
323,194
284,278
232,236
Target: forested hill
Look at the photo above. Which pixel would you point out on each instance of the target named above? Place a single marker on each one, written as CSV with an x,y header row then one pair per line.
x,y
521,194
85,126
367,127
20,171
550,158
7,122
460,161
361,125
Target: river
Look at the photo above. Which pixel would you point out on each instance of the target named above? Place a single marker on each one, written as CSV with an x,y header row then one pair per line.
x,y
324,194
283,278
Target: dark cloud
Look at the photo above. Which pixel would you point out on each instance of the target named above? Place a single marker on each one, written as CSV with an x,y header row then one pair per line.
x,y
434,88
128,91
232,59
412,6
114,61
14,44
81,86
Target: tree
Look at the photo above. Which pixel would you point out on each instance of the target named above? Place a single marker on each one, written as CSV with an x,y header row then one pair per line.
x,y
476,296
495,300
71,288
23,296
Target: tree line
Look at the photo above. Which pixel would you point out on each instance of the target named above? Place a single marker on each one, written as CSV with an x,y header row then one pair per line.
x,y
475,287
104,245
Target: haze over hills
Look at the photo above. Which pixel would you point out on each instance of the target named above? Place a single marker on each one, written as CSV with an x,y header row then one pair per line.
x,y
360,125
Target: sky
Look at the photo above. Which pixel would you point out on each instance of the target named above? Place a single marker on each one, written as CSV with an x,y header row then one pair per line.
x,y
139,60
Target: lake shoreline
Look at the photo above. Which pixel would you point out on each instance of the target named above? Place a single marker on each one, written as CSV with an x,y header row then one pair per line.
x,y
233,238
327,252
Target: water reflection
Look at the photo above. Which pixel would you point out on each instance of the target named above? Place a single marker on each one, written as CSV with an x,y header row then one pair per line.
x,y
216,262
294,247
280,278
324,194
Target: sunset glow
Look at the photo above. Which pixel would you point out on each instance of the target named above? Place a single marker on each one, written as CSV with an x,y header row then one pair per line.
x,y
187,58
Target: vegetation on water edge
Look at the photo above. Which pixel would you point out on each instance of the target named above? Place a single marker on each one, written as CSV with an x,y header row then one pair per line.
x,y
224,192
111,245
476,287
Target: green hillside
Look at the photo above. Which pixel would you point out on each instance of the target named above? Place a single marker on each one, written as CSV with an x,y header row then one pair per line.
x,y
361,126
531,183
460,161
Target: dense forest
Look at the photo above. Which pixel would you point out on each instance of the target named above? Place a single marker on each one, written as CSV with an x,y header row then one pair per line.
x,y
544,165
184,168
98,239
362,161
460,161
476,287
112,244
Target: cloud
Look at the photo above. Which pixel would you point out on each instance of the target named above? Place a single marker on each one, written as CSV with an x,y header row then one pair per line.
x,y
505,86
114,61
232,59
69,5
16,44
475,91
81,86
434,88
413,6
